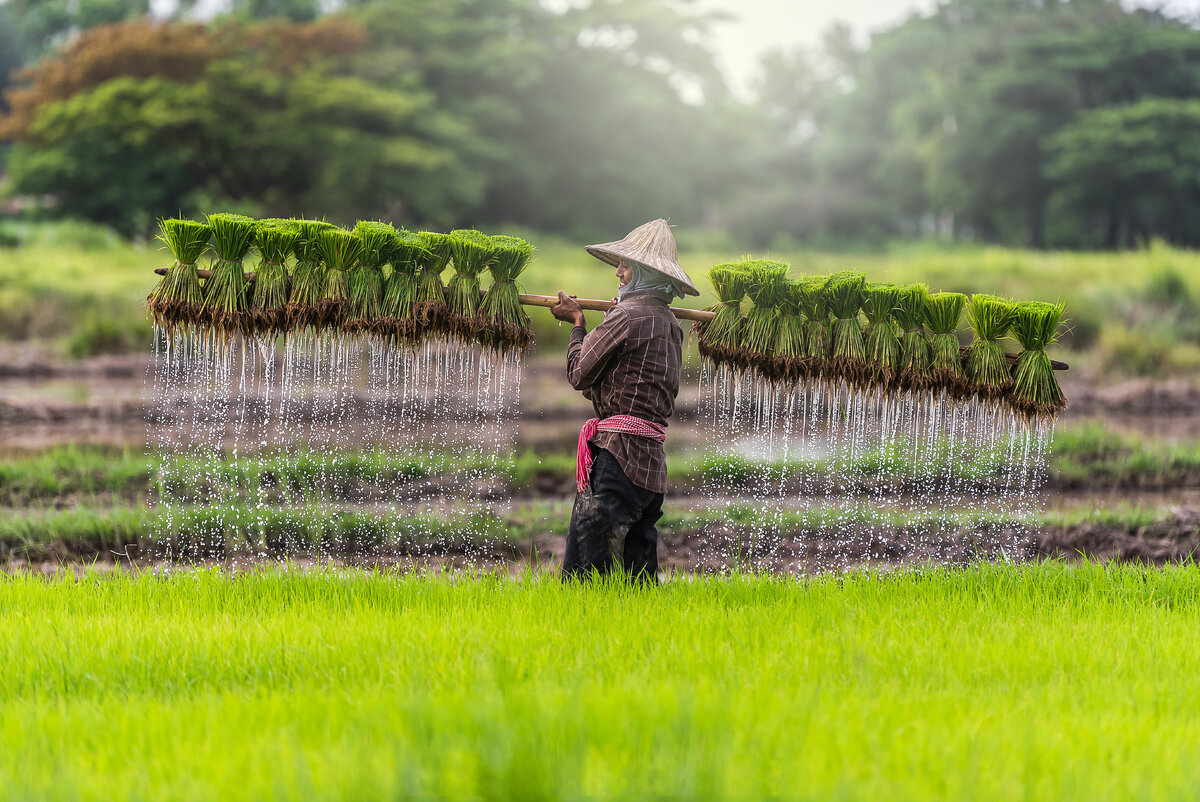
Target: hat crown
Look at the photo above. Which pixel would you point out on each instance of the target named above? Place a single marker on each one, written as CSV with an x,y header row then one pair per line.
x,y
651,245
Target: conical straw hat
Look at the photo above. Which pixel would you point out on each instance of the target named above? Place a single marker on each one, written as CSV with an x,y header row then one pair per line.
x,y
652,246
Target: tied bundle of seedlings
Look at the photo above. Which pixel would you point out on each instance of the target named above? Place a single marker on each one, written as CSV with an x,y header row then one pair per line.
x,y
473,253
719,338
943,310
844,297
987,366
397,318
1035,391
366,277
268,307
764,287
880,338
915,355
340,251
308,277
429,296
225,299
790,362
177,300
818,336
505,324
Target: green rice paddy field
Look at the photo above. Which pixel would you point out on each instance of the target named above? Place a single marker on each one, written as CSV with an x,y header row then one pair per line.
x,y
997,682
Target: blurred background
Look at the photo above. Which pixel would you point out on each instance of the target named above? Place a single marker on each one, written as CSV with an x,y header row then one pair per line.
x,y
1033,148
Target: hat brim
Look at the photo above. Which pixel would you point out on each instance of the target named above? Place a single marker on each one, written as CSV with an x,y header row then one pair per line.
x,y
610,253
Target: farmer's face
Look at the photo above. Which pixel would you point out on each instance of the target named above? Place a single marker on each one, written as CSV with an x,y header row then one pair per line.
x,y
624,273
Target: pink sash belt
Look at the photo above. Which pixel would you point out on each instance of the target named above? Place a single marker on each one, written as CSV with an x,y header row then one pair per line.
x,y
625,424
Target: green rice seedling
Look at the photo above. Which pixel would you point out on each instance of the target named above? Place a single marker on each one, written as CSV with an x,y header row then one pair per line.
x,y
765,288
268,307
844,295
1035,391
225,302
177,299
366,277
790,362
818,337
308,278
879,336
399,292
505,324
473,253
915,355
987,366
429,296
340,251
720,337
943,310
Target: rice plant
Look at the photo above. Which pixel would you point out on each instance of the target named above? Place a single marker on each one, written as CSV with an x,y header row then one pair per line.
x,y
943,310
987,367
340,251
308,278
817,333
177,299
844,295
790,361
764,287
268,308
397,319
915,354
1035,391
473,253
721,336
879,336
505,324
225,301
429,296
366,277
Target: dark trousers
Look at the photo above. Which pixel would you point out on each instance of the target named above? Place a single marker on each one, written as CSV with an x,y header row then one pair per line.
x,y
612,525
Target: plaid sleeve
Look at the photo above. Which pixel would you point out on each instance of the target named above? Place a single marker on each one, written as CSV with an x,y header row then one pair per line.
x,y
590,352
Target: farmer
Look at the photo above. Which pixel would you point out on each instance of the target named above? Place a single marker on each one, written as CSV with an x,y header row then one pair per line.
x,y
628,367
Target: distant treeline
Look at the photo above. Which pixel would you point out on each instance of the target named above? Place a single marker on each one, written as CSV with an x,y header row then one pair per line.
x,y
1048,124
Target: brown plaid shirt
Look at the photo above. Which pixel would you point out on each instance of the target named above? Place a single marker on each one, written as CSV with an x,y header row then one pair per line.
x,y
629,365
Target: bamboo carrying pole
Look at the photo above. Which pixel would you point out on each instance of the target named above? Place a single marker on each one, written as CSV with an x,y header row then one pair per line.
x,y
595,305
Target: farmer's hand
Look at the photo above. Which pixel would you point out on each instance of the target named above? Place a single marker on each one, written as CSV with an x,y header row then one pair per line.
x,y
567,310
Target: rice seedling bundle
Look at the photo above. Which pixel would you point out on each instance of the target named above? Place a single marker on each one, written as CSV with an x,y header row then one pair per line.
x,y
791,358
844,295
764,286
340,251
505,324
915,354
268,308
1035,391
880,338
719,338
399,292
943,310
366,277
429,296
177,299
473,253
818,336
987,367
225,302
308,278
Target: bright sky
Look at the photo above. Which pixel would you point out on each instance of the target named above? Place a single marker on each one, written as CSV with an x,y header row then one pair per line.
x,y
766,24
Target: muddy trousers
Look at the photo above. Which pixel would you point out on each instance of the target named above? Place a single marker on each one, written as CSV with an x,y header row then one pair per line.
x,y
612,525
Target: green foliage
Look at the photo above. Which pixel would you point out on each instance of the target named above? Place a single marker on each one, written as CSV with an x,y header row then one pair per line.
x,y
943,311
991,318
340,251
915,353
508,325
882,345
1035,326
473,253
843,294
178,297
765,286
729,281
818,336
275,240
790,343
225,302
366,277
